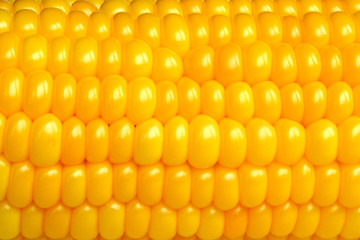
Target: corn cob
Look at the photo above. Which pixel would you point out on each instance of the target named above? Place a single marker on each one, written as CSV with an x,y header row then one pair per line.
x,y
179,119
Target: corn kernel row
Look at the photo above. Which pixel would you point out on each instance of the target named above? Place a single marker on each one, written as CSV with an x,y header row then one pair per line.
x,y
203,142
112,98
177,186
136,220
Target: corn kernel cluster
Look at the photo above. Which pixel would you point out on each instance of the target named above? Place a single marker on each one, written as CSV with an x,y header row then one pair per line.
x,y
180,120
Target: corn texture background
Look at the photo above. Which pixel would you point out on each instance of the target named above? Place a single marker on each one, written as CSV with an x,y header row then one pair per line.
x,y
180,120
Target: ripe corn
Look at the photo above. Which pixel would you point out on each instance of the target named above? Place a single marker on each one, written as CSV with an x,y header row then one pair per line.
x,y
192,119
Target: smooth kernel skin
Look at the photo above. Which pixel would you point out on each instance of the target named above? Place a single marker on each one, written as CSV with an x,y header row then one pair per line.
x,y
31,221
307,220
315,101
63,96
349,139
52,23
57,221
99,25
192,6
16,137
45,140
188,92
267,101
141,100
259,221
260,135
331,222
342,28
77,24
349,185
351,67
233,143
87,107
163,222
147,28
284,67
310,6
73,185
150,183
25,23
331,65
111,220
121,137
37,95
226,192
97,141
213,100
356,95
309,63
139,7
165,7
63,5
236,221
351,229
4,176
220,30
253,184
84,6
303,182
9,50
175,34
11,91
292,33
34,53
202,187
198,25
244,29
212,223
73,142
2,128
284,219
83,57
9,221
84,222
291,141
176,138
177,186
125,180
47,184
240,6
269,28
109,57
20,188
321,142
58,55
257,59
316,29
167,66
113,7
279,184
215,7
123,27
340,103
287,8
188,221
5,18
99,183
167,101
113,98
199,64
137,219
204,142
327,184
148,142
228,64
239,102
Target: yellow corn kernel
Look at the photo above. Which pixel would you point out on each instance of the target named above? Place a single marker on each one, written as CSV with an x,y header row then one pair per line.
x,y
202,186
213,100
137,219
279,184
220,30
111,220
349,185
307,220
163,222
349,137
109,57
167,66
4,176
57,221
188,92
338,21
331,222
77,24
150,183
11,91
121,136
199,64
45,140
123,28
212,223
315,101
259,221
303,182
34,45
147,28
188,221
47,184
226,192
52,23
9,221
73,185
25,22
99,181
284,219
331,65
99,25
84,222
31,225
96,141
73,141
244,30
351,69
309,63
125,180
269,28
167,101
